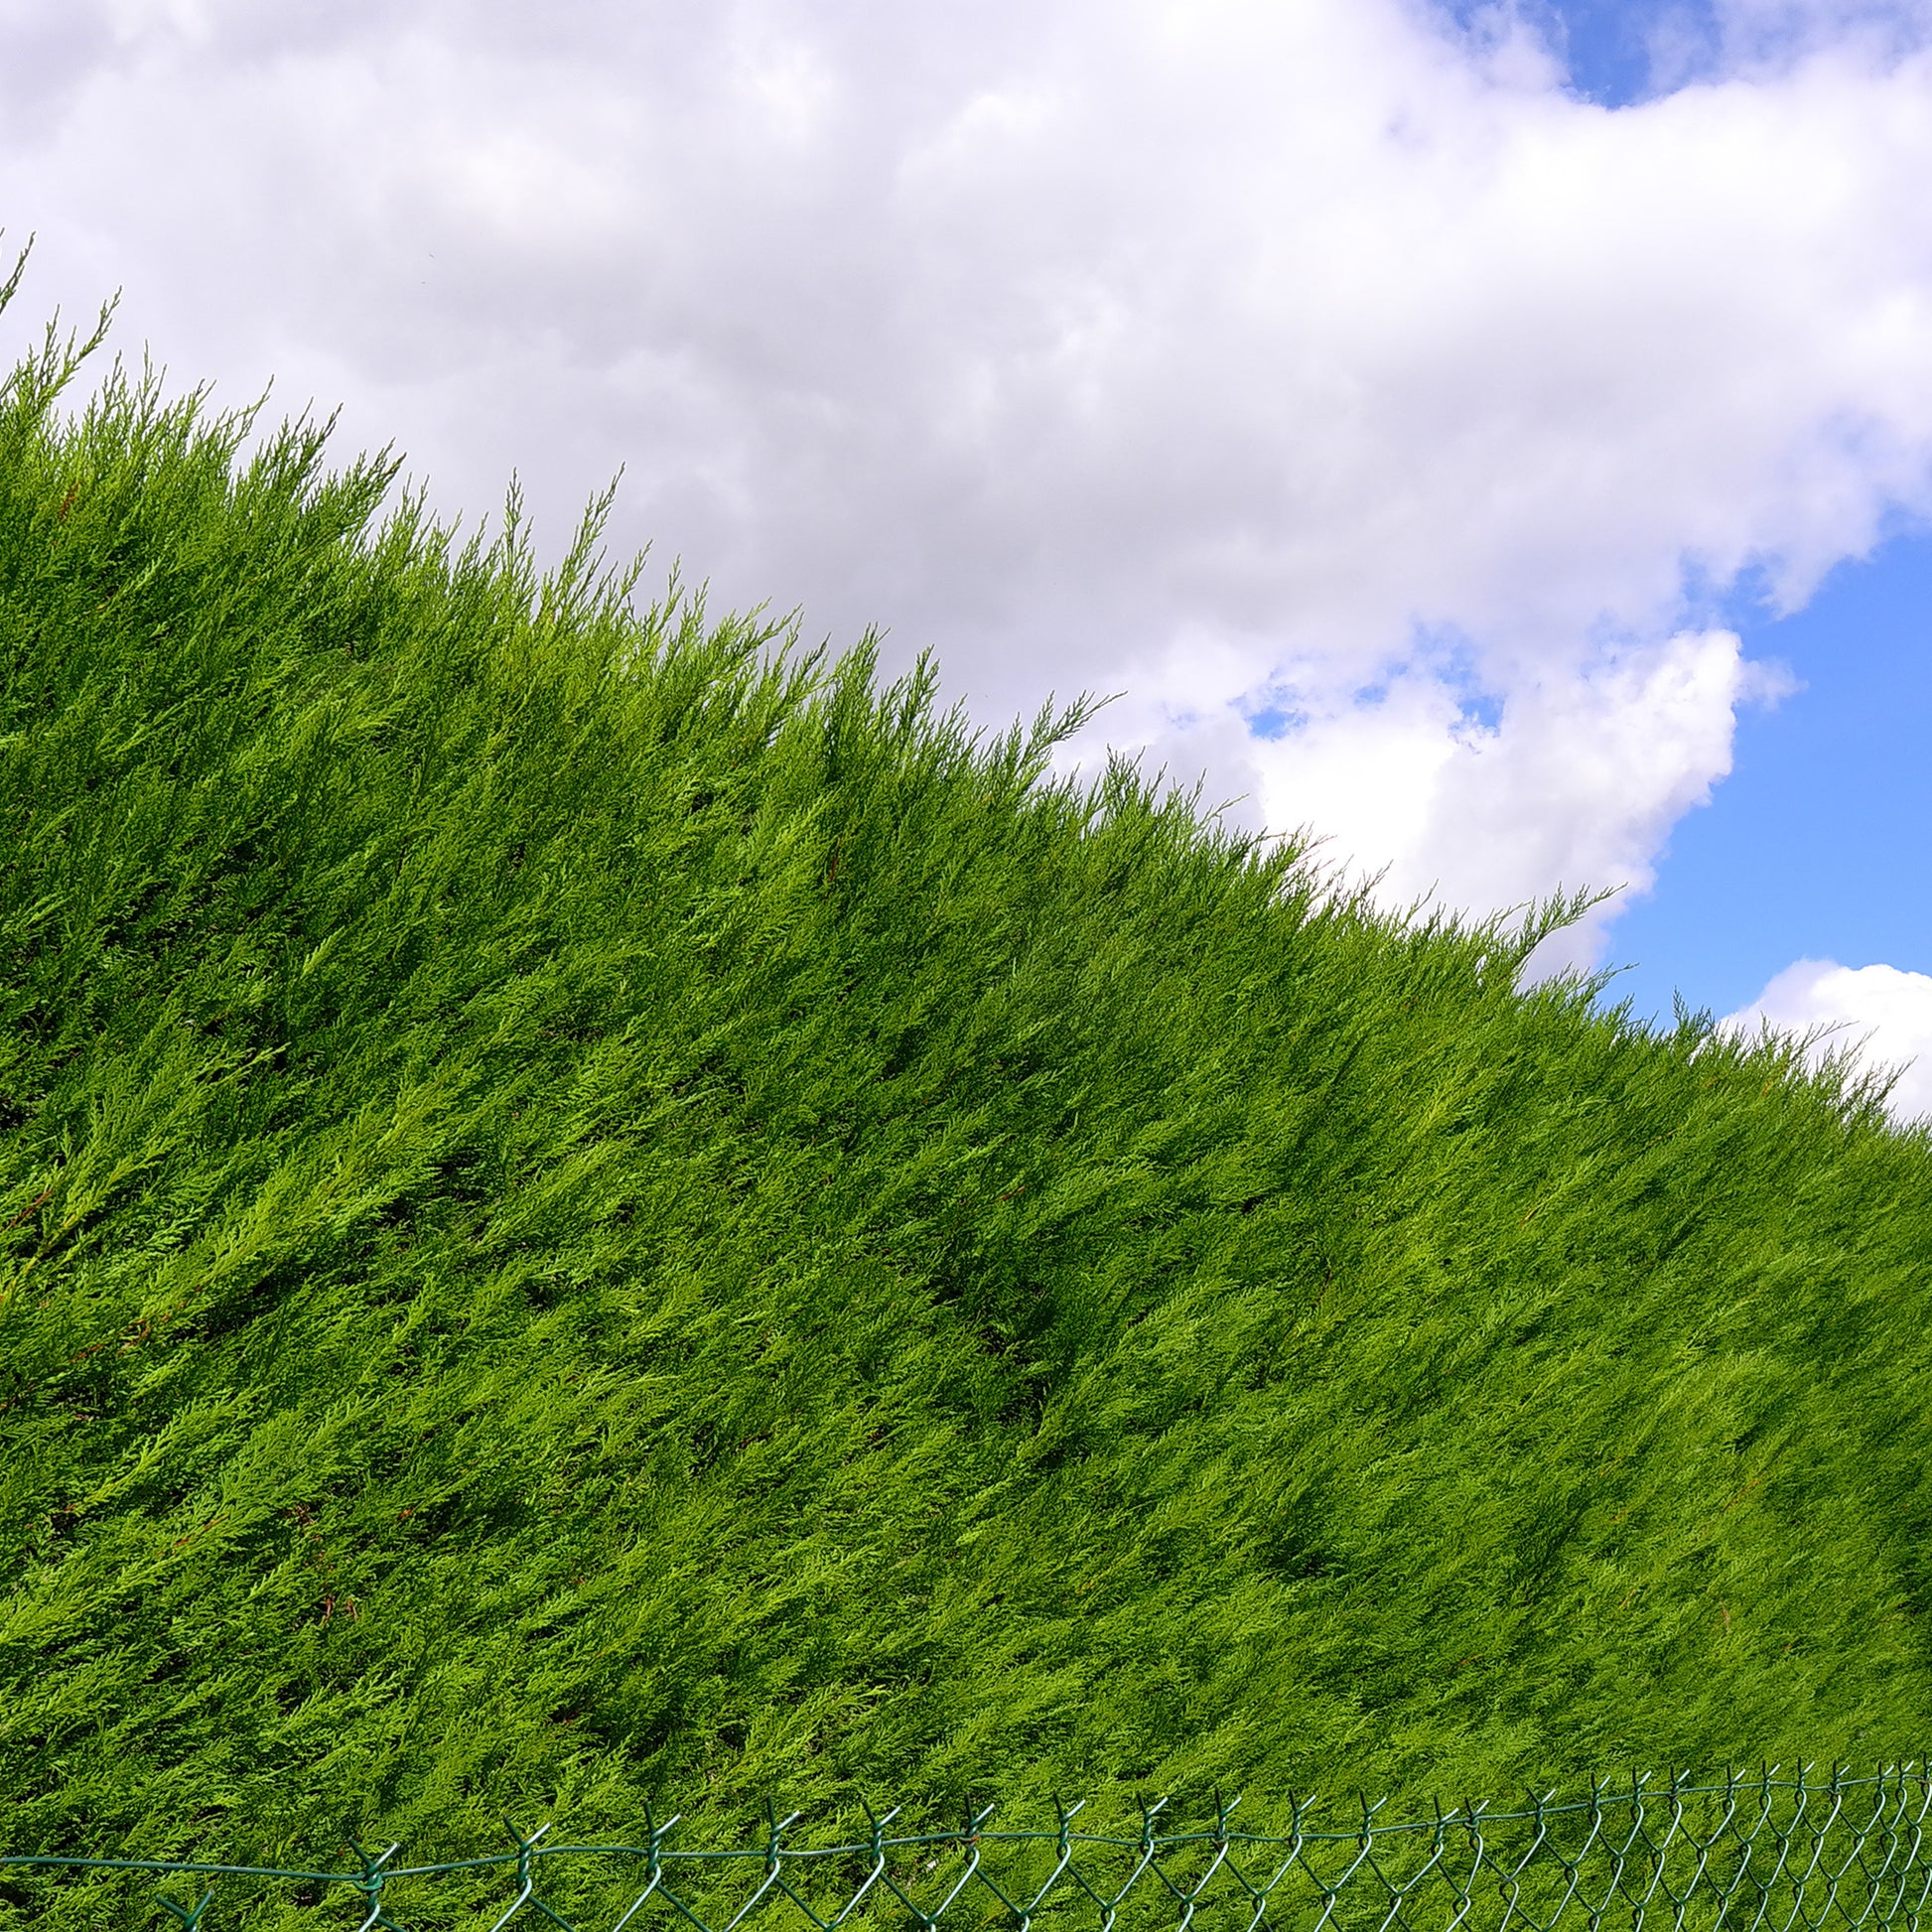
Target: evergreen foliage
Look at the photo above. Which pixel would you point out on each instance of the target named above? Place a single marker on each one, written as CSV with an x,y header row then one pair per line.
x,y
597,1209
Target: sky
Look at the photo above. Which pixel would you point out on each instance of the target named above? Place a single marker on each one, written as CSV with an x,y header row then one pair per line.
x,y
1494,439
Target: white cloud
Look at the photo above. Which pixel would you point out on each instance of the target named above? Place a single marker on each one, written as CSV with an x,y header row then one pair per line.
x,y
1883,1014
1216,350
1467,798
1752,36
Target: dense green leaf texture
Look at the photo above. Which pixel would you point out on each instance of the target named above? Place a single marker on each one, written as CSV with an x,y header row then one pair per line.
x,y
597,1210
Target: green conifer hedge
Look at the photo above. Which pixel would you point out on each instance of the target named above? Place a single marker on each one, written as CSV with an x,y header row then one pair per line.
x,y
597,1209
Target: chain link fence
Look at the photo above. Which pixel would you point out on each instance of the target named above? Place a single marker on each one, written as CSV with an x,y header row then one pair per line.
x,y
1792,1854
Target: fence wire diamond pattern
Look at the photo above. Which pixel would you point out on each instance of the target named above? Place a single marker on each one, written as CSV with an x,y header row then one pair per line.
x,y
1763,1853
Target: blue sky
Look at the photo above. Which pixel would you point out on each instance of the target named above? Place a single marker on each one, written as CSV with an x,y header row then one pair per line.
x,y
1351,385
1606,44
1819,843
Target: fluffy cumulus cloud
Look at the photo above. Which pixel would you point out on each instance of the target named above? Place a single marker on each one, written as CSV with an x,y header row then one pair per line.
x,y
1878,1015
1370,409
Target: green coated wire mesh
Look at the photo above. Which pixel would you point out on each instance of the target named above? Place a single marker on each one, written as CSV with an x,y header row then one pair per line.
x,y
1793,1853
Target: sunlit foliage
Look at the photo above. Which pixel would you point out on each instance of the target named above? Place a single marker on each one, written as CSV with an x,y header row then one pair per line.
x,y
596,1208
